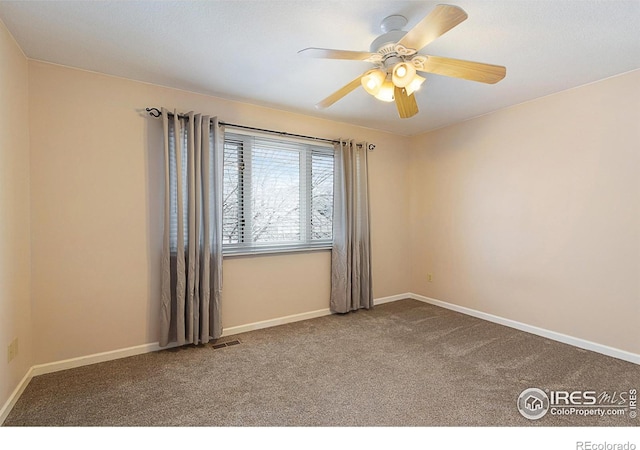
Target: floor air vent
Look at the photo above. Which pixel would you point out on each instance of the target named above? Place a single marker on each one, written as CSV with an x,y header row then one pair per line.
x,y
225,344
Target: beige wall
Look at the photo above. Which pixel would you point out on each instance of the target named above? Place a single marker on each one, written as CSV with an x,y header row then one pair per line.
x,y
96,205
532,213
15,278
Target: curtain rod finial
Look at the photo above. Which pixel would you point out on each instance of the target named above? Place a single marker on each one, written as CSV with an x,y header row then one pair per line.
x,y
155,112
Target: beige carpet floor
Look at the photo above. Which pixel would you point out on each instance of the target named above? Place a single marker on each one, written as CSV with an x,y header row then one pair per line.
x,y
405,363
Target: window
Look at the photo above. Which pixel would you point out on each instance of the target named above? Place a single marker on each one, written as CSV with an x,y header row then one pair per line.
x,y
277,195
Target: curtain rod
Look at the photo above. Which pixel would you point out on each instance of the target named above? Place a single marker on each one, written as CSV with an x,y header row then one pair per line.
x,y
155,112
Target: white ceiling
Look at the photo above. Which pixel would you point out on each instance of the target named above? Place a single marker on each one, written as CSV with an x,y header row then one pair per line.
x,y
247,50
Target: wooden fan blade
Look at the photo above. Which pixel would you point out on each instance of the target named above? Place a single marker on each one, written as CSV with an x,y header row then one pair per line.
x,y
406,104
468,70
337,95
328,53
435,24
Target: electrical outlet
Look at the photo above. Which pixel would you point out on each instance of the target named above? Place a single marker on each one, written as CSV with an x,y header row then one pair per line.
x,y
429,277
12,350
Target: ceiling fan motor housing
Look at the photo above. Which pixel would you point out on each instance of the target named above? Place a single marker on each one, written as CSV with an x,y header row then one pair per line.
x,y
385,44
392,28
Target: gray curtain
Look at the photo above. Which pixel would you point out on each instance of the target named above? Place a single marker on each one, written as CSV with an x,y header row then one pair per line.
x,y
192,248
351,253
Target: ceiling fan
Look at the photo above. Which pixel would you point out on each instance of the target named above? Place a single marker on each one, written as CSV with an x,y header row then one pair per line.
x,y
395,55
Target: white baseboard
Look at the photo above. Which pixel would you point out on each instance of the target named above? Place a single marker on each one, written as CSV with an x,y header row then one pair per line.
x,y
15,395
275,322
302,316
392,298
80,361
555,336
41,369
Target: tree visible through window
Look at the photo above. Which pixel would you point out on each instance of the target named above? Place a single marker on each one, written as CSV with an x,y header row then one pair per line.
x,y
277,194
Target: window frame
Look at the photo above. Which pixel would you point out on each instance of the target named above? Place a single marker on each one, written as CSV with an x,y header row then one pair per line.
x,y
306,151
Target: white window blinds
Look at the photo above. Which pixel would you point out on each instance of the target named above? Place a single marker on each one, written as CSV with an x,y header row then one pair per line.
x,y
278,194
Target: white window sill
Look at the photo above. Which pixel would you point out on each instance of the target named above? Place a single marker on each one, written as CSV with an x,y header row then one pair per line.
x,y
272,251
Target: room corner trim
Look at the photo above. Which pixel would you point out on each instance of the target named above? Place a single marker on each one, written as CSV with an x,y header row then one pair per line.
x,y
15,395
555,336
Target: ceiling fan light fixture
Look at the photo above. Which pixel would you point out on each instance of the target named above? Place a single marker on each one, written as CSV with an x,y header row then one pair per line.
x,y
403,74
373,80
386,93
415,84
